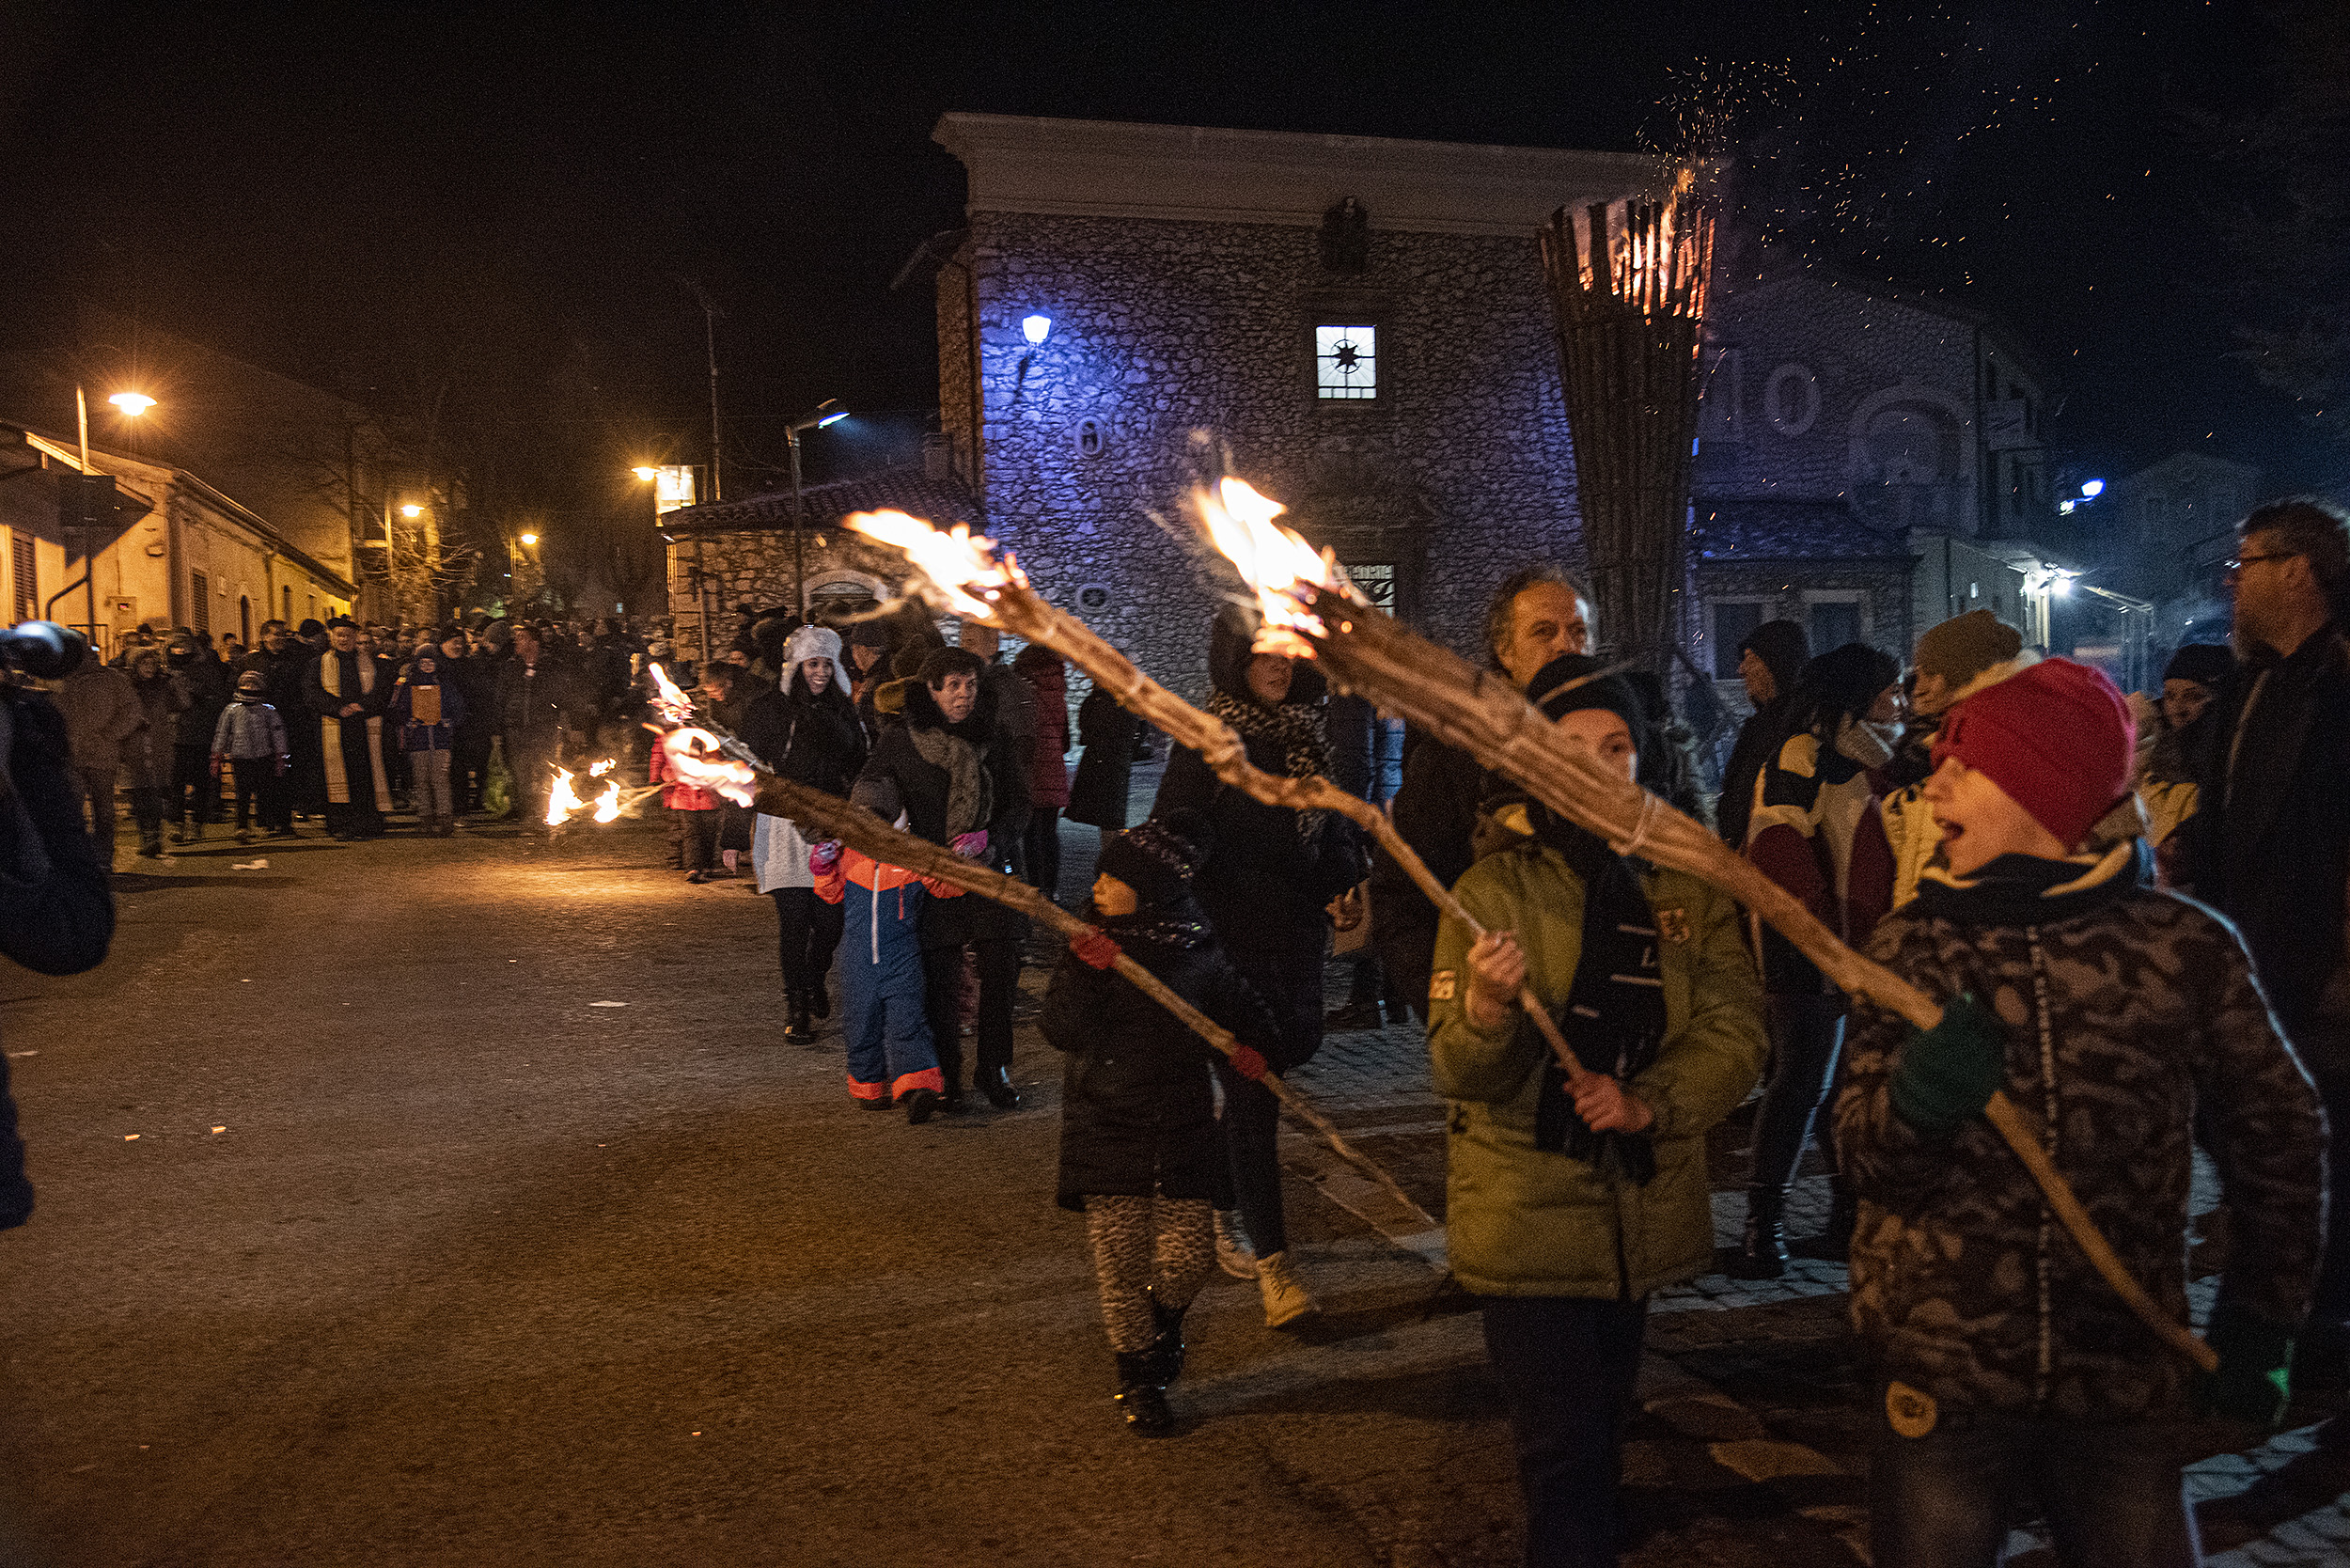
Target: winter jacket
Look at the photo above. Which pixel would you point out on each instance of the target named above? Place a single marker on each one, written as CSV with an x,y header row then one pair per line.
x,y
1524,1222
476,678
1758,739
538,702
2133,1029
2269,845
1435,813
56,906
1107,733
146,750
1817,832
283,671
101,711
1049,753
1138,1114
401,713
812,740
678,796
205,682
1265,883
249,731
923,790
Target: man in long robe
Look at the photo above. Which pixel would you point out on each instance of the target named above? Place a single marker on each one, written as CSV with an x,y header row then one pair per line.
x,y
348,689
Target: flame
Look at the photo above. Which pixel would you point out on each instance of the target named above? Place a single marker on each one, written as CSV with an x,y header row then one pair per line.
x,y
961,565
608,805
676,707
599,769
694,757
562,799
1270,559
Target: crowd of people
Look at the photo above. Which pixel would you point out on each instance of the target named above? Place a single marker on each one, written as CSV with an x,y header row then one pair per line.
x,y
2130,910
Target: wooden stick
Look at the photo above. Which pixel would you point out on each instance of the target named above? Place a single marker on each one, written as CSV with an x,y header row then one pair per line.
x,y
1484,714
1026,612
830,817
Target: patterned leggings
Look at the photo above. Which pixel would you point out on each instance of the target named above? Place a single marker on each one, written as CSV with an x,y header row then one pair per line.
x,y
1147,1249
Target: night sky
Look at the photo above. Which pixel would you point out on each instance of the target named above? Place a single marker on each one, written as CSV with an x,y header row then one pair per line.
x,y
501,198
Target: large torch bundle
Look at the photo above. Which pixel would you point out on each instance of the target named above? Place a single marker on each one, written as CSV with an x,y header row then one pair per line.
x,y
1310,610
1627,285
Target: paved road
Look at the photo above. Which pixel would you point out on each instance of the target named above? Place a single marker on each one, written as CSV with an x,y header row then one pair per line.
x,y
367,1235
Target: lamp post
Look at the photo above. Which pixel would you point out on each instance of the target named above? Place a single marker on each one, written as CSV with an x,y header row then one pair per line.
x,y
829,412
133,404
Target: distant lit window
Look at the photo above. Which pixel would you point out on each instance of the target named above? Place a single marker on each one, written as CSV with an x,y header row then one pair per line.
x,y
1346,362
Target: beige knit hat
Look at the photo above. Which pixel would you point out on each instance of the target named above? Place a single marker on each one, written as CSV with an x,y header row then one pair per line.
x,y
1960,648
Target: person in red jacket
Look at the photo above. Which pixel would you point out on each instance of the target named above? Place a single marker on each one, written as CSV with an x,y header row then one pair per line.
x,y
1048,765
1816,831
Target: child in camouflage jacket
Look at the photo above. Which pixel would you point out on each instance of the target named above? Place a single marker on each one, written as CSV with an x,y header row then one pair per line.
x,y
2127,1024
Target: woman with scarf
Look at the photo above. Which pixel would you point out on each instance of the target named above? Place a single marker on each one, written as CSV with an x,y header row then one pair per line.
x,y
1140,1154
1567,1209
1818,831
1265,887
807,730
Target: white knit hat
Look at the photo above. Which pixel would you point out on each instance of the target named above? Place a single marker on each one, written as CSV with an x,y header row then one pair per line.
x,y
814,642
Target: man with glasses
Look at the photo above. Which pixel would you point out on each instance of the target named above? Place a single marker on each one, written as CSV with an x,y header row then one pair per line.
x,y
2270,842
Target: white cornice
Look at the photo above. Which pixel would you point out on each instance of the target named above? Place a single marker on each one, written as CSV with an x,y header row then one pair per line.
x,y
1105,169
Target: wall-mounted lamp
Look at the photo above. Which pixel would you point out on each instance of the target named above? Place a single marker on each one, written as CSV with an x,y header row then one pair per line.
x,y
2093,488
1036,328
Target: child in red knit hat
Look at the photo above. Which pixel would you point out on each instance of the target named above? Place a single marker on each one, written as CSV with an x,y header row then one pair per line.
x,y
2120,1020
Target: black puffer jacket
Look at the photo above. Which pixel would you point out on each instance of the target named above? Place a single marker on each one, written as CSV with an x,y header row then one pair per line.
x,y
1137,1113
1265,884
810,740
922,788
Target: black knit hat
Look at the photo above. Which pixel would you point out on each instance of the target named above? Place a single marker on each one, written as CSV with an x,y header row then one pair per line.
x,y
1783,650
2207,663
1158,858
1555,693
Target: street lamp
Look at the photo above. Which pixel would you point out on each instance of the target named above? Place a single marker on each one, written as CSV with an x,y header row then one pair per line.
x,y
412,511
530,539
829,412
645,472
132,404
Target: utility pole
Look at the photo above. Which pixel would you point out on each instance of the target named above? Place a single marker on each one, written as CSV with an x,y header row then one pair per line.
x,y
709,337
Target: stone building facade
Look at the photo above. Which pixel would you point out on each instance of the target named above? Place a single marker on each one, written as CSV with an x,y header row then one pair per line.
x,y
1358,327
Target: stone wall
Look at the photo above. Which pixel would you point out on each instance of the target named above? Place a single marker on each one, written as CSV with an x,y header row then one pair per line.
x,y
1456,474
754,567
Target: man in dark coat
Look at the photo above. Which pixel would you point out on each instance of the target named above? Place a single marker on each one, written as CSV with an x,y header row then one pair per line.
x,y
537,703
963,781
56,911
1537,614
1105,763
1769,660
2269,843
474,676
347,690
194,793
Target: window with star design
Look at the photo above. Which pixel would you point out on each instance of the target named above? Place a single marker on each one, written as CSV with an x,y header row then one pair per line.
x,y
1346,362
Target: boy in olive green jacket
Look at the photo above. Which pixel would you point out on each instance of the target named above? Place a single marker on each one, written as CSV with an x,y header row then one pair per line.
x,y
1566,1209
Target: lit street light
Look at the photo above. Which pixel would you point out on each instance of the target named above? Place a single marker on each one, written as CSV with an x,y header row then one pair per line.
x,y
530,539
412,511
645,472
131,405
829,412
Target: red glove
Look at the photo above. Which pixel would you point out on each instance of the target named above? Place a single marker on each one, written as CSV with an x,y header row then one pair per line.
x,y
1247,1063
1095,948
970,846
823,857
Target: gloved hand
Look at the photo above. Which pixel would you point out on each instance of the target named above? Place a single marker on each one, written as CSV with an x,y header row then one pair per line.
x,y
2252,1383
971,845
822,856
1950,1072
1095,948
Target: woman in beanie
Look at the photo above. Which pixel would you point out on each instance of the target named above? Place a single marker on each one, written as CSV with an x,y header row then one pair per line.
x,y
806,729
1267,884
1816,831
1566,1209
2182,722
2124,1023
1140,1153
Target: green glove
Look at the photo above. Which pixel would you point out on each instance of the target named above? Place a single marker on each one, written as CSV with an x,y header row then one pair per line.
x,y
2253,1382
1950,1072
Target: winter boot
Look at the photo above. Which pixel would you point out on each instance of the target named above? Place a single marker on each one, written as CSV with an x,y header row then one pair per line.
x,y
1763,1251
1833,1245
1233,1254
797,1027
1142,1397
1285,1299
995,1083
1167,1350
819,999
919,1104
